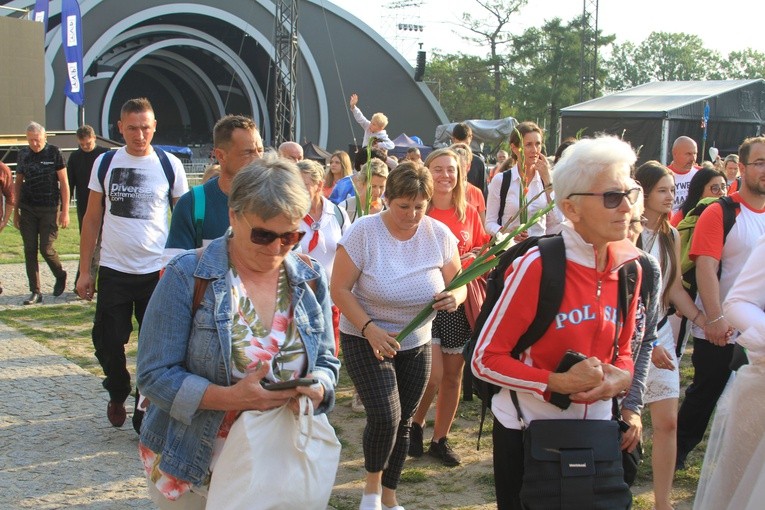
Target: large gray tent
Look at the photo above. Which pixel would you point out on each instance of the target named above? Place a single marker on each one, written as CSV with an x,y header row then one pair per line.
x,y
651,116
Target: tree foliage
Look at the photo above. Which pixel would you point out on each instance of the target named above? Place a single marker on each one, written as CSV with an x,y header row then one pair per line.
x,y
663,56
748,64
546,73
532,75
493,33
463,85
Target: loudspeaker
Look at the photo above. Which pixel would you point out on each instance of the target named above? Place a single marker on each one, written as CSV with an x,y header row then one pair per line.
x,y
419,71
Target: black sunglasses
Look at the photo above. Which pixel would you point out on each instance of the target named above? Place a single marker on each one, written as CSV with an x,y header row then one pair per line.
x,y
613,199
264,237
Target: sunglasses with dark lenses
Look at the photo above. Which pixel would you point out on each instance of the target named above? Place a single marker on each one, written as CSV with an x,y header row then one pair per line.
x,y
264,237
613,199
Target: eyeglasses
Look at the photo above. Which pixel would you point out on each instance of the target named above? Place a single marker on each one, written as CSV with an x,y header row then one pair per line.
x,y
718,188
758,165
265,237
613,199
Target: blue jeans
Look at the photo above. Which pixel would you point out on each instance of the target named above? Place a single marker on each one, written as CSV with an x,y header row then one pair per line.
x,y
119,296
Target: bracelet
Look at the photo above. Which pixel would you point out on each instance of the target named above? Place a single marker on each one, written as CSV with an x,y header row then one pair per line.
x,y
364,327
715,320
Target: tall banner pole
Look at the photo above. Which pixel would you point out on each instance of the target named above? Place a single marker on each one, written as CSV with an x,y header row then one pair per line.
x,y
705,125
71,33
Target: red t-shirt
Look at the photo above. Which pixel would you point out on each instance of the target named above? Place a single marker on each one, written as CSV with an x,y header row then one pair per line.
x,y
469,233
475,198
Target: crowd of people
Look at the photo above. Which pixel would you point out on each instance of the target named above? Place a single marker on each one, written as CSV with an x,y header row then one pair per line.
x,y
276,268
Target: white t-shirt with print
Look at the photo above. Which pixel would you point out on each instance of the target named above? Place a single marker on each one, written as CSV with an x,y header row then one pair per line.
x,y
682,183
398,278
136,211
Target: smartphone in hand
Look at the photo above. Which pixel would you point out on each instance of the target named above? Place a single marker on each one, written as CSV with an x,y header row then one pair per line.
x,y
288,385
569,359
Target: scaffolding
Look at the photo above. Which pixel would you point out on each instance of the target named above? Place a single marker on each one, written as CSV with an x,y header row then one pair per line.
x,y
588,59
285,70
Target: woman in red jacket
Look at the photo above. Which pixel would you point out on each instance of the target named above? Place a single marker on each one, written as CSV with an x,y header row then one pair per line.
x,y
595,194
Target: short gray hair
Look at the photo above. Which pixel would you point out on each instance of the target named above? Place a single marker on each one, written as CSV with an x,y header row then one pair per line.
x,y
35,127
376,168
583,163
312,169
269,187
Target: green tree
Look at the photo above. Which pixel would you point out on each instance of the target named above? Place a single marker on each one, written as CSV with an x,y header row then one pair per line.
x,y
748,64
492,31
463,85
546,72
663,56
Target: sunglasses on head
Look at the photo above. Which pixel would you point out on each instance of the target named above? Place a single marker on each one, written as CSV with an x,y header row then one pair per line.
x,y
613,199
264,237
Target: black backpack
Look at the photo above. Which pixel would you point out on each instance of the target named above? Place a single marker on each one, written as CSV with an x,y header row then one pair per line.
x,y
552,252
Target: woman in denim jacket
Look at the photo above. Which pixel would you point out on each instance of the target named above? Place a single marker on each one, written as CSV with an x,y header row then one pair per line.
x,y
264,317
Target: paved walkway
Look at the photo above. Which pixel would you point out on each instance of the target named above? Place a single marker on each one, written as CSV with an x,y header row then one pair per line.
x,y
57,448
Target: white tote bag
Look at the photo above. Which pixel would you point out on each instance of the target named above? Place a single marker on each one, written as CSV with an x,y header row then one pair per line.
x,y
276,460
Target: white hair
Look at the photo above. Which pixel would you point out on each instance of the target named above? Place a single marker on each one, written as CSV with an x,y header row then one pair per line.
x,y
583,163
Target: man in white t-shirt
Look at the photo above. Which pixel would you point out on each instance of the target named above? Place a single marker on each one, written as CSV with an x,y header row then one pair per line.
x,y
134,199
684,167
713,252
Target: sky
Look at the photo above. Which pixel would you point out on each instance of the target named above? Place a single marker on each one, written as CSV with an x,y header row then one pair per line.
x,y
629,21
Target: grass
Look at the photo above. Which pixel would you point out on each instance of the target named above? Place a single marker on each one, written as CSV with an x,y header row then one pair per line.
x,y
67,245
65,329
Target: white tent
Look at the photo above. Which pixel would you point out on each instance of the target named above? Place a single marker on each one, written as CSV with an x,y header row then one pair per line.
x,y
492,132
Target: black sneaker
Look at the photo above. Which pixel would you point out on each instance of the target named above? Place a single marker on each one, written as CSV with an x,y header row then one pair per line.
x,y
442,451
60,285
415,441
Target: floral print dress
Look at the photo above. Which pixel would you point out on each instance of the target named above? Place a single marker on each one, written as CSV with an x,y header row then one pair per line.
x,y
251,344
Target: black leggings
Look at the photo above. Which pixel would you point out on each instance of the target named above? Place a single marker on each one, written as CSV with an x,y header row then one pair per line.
x,y
390,390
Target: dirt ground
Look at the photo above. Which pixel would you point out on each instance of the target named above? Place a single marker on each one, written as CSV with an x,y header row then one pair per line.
x,y
426,484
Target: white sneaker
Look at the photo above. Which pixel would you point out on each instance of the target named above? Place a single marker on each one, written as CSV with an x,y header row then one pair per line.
x,y
371,502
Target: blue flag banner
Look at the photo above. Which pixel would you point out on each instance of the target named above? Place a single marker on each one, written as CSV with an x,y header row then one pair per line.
x,y
71,32
41,14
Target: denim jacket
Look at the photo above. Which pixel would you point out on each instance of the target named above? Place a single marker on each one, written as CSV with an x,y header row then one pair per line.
x,y
179,355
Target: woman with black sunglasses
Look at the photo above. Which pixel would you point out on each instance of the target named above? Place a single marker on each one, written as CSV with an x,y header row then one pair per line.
x,y
244,311
595,194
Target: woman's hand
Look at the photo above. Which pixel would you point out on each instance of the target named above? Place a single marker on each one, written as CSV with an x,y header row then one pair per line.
x,y
251,395
615,380
521,237
631,437
445,301
584,376
543,169
383,343
661,358
315,392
